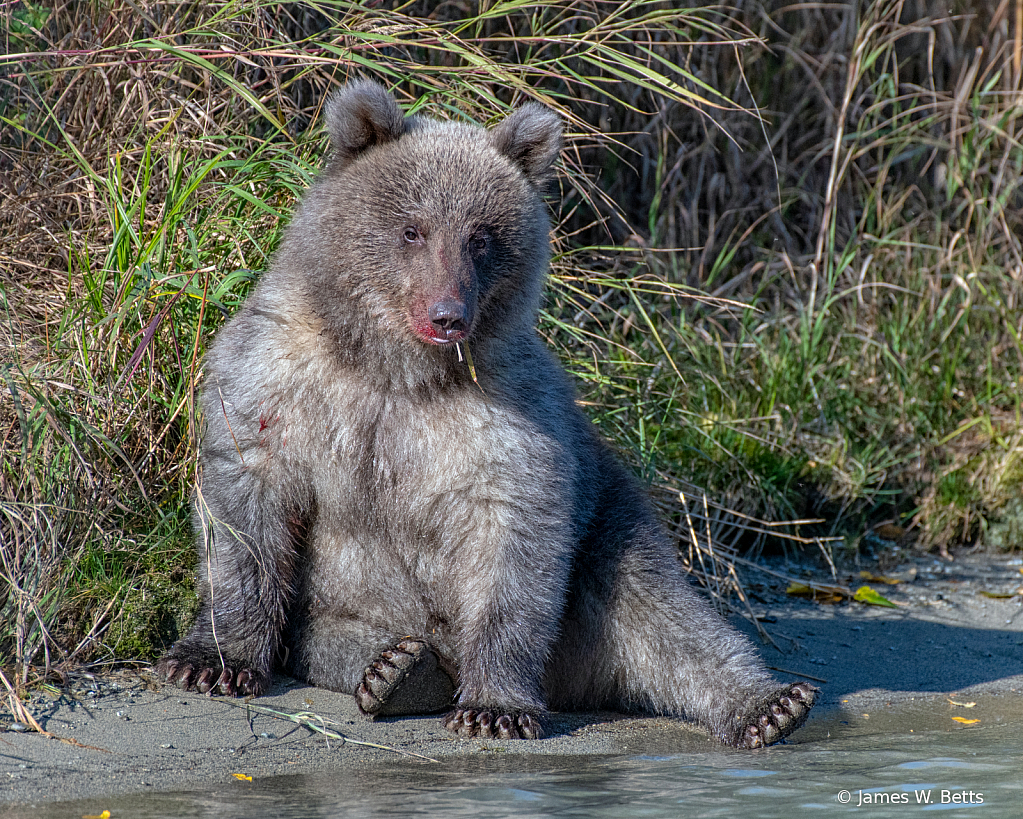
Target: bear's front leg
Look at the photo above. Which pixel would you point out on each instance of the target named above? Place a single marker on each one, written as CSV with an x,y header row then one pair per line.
x,y
244,584
503,655
512,611
249,509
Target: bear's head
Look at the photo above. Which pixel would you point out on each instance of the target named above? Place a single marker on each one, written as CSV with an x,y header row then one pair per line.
x,y
427,230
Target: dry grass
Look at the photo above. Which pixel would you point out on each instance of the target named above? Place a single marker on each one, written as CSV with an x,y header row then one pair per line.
x,y
843,180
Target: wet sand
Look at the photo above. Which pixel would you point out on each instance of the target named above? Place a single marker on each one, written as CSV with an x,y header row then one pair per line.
x,y
880,669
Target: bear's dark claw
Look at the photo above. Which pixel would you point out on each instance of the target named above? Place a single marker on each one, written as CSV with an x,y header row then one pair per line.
x,y
469,722
210,679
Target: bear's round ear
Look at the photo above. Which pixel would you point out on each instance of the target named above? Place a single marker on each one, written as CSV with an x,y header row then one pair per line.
x,y
361,115
531,138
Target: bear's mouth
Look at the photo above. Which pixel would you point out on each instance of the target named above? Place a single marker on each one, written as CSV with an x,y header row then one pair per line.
x,y
430,336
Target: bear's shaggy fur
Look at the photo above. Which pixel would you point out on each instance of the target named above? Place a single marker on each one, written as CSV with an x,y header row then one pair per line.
x,y
375,521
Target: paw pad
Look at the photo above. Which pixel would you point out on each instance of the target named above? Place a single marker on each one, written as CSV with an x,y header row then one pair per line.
x,y
405,679
781,714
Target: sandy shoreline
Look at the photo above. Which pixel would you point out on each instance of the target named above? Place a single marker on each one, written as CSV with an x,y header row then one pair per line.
x,y
134,735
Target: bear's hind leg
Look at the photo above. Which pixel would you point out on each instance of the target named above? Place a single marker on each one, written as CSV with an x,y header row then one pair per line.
x,y
636,636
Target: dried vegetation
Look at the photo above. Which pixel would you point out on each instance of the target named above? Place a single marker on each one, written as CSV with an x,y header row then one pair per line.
x,y
789,263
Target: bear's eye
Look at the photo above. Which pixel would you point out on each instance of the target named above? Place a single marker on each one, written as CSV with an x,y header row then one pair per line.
x,y
412,235
478,243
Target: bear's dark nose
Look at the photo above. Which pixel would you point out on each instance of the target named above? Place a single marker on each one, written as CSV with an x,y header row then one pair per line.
x,y
448,317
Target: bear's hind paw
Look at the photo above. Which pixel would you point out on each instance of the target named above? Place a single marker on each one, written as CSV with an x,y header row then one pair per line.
x,y
405,679
780,715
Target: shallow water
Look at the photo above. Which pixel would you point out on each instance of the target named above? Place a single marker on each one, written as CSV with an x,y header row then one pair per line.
x,y
970,771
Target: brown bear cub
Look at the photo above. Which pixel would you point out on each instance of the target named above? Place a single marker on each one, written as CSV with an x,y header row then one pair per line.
x,y
376,517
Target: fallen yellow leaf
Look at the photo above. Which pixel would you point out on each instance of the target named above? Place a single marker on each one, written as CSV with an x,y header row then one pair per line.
x,y
243,777
865,594
966,721
104,815
998,595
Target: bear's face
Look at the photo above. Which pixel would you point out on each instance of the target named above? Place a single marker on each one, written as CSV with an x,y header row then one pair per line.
x,y
438,228
449,223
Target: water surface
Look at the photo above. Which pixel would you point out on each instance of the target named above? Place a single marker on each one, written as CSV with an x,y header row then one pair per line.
x,y
842,768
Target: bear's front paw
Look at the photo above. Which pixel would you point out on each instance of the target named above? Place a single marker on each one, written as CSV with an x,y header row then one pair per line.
x,y
490,724
780,715
209,679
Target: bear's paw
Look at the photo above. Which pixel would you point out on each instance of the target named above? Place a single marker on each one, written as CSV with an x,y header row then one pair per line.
x,y
489,724
406,679
778,716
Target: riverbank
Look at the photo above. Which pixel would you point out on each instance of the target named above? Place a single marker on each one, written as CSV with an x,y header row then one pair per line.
x,y
917,666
